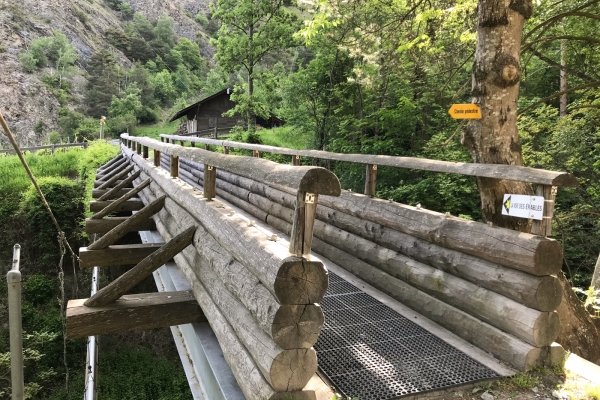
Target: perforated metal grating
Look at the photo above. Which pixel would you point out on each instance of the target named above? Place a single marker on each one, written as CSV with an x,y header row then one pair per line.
x,y
369,351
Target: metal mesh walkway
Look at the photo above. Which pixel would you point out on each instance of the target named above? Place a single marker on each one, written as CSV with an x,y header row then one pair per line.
x,y
369,351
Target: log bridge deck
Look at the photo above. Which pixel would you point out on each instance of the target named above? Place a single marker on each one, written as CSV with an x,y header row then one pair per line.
x,y
385,300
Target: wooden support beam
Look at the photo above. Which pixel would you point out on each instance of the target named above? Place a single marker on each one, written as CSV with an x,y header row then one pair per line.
x,y
371,180
182,143
123,184
226,150
255,153
157,158
129,279
111,162
133,312
116,177
145,152
192,144
115,204
162,139
303,223
97,184
174,163
296,160
129,205
120,231
113,168
107,223
97,193
544,227
210,181
138,148
207,147
125,254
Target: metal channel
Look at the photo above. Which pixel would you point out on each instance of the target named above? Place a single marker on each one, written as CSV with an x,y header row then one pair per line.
x,y
370,351
208,374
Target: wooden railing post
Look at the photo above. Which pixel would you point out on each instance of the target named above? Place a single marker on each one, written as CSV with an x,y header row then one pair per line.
x,y
182,143
192,143
145,152
156,158
226,150
544,227
138,148
303,224
296,160
371,180
174,161
162,139
207,147
255,153
210,181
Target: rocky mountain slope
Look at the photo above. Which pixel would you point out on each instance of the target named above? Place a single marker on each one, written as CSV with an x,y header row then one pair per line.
x,y
24,100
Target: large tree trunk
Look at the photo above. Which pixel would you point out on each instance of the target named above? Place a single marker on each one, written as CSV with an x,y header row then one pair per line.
x,y
563,79
494,139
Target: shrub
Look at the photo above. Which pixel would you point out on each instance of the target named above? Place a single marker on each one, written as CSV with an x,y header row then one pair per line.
x,y
2,49
54,137
28,61
38,289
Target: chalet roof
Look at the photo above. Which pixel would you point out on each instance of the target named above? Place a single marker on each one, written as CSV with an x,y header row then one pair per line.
x,y
183,112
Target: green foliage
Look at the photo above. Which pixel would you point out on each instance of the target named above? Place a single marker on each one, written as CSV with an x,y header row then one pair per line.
x,y
69,121
103,82
2,49
38,289
54,137
164,89
126,10
154,131
81,15
39,127
65,197
88,129
202,19
28,61
55,48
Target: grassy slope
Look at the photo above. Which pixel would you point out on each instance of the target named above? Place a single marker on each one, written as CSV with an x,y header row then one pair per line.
x,y
153,131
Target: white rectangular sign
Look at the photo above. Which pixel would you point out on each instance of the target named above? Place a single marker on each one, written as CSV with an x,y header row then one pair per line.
x,y
522,206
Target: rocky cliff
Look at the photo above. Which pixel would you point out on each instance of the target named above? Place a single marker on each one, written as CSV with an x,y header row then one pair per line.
x,y
28,106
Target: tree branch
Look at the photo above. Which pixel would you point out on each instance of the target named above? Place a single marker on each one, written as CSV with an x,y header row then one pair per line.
x,y
561,67
557,94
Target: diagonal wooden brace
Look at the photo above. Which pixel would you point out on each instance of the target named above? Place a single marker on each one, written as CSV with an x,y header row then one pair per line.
x,y
113,192
122,229
113,168
116,177
129,279
115,204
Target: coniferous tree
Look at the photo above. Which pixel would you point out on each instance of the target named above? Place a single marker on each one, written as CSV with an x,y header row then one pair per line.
x,y
103,82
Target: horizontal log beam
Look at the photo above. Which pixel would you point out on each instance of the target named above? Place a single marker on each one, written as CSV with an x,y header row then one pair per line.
x,y
107,223
111,162
133,313
498,171
125,254
115,204
129,205
98,183
126,183
306,179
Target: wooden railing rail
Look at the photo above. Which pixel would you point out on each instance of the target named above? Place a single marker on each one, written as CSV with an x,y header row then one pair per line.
x,y
547,181
306,182
51,146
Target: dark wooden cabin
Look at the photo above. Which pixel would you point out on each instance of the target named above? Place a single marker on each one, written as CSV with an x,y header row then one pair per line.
x,y
207,114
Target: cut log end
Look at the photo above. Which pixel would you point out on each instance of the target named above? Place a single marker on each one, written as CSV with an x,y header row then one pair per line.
x,y
297,326
549,294
548,257
546,329
292,369
321,181
300,281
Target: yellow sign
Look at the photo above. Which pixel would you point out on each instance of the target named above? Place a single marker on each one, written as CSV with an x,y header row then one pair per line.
x,y
465,111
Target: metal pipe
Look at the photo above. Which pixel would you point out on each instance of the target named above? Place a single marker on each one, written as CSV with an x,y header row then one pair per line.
x,y
13,279
92,349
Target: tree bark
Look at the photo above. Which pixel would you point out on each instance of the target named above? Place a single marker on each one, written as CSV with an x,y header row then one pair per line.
x,y
563,79
494,138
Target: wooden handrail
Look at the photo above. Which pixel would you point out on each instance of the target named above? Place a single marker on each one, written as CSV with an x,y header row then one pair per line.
x,y
51,146
498,171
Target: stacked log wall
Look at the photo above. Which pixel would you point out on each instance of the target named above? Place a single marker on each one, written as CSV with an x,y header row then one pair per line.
x,y
494,287
265,321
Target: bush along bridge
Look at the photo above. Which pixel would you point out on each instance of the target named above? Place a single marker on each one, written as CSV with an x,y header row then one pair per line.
x,y
278,284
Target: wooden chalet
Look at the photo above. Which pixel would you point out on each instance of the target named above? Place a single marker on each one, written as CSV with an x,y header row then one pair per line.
x,y
206,115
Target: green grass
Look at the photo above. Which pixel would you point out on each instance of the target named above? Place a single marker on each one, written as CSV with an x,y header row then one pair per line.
x,y
153,131
285,136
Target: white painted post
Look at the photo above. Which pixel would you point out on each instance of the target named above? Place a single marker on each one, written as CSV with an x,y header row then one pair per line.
x,y
92,351
13,279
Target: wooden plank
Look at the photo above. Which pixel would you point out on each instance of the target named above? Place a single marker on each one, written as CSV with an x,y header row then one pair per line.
x,y
126,254
304,178
133,313
124,183
115,204
98,183
108,183
119,231
544,227
498,171
129,279
107,223
97,193
129,205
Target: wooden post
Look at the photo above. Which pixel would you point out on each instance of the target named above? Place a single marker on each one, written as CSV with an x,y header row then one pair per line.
x,y
174,166
192,143
207,147
162,139
120,231
145,152
255,153
544,227
303,223
215,133
210,181
226,150
371,179
182,143
138,148
112,192
296,160
157,158
129,279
